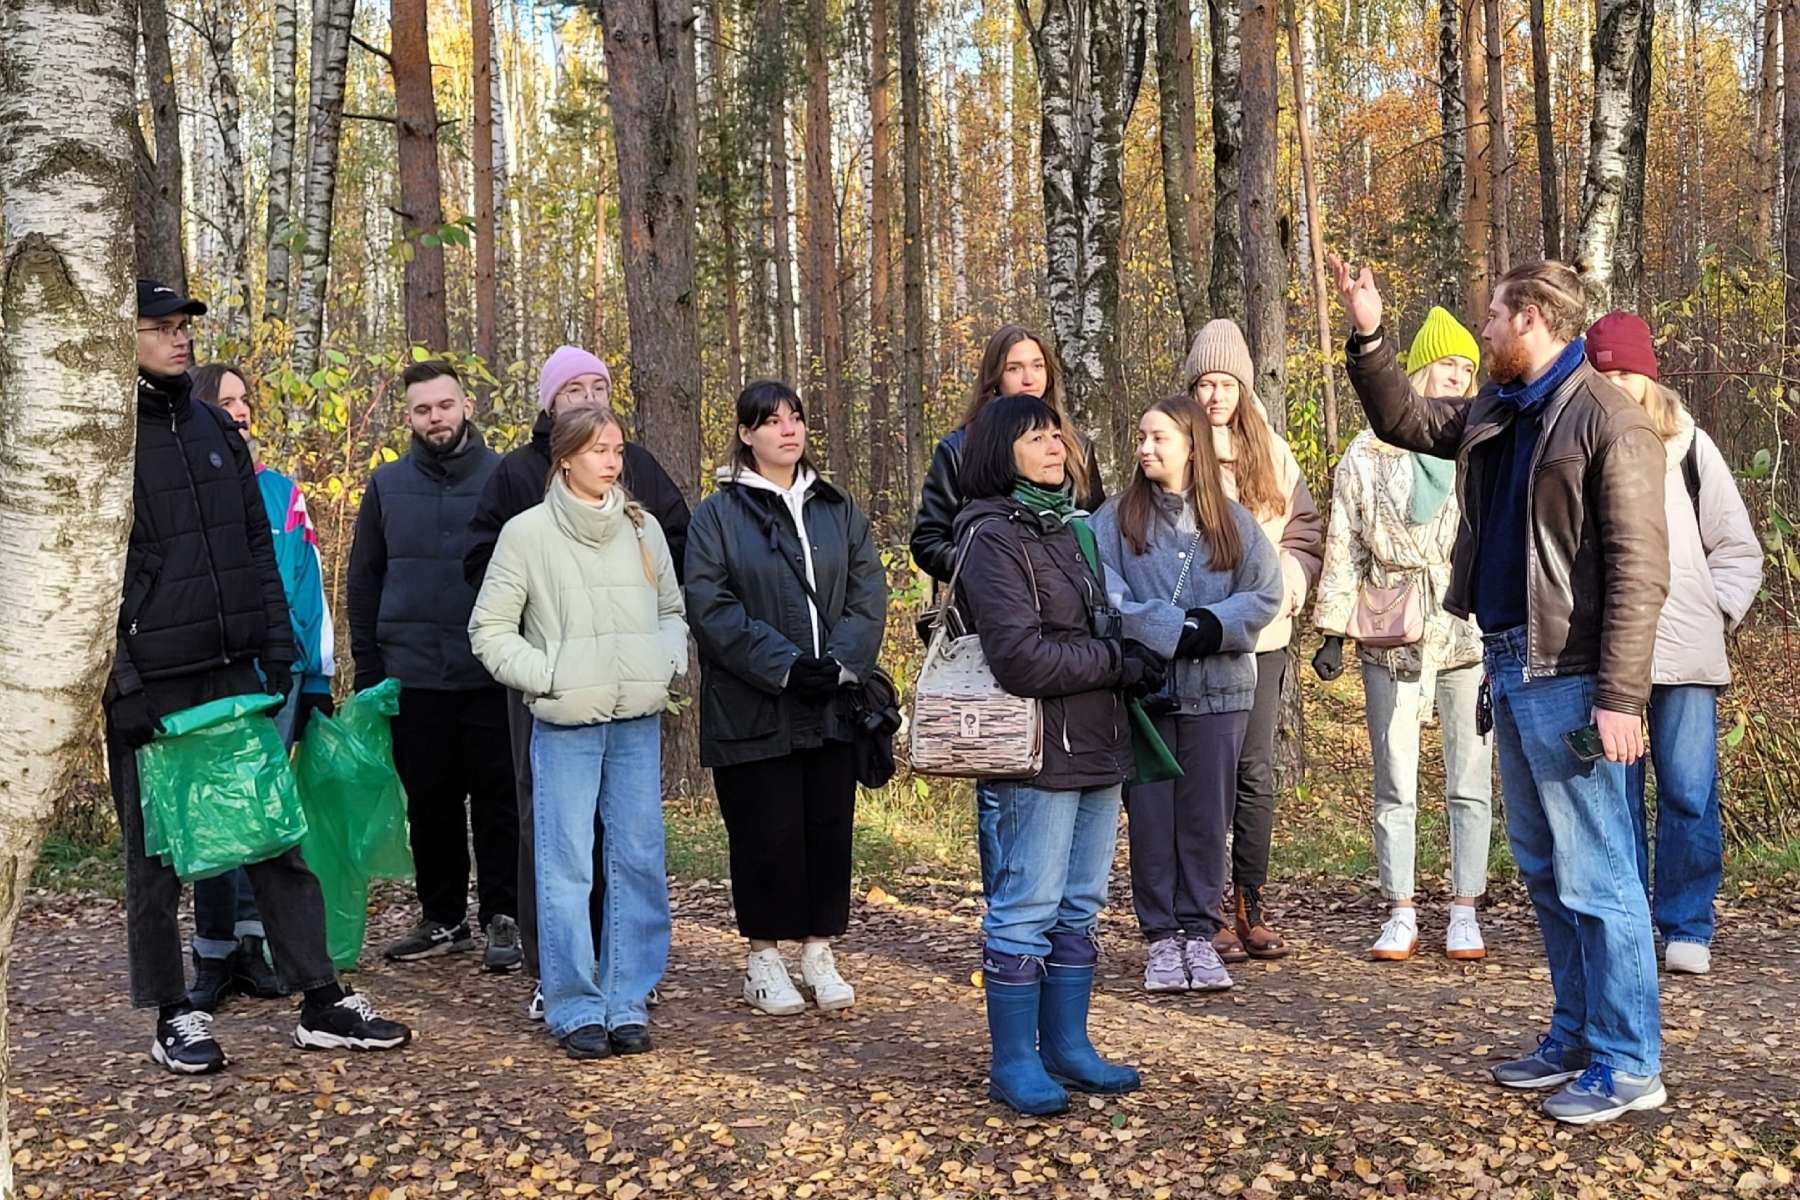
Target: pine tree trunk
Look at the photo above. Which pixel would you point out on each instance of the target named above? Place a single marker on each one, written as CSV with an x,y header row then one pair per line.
x,y
330,57
1478,176
1549,195
912,187
217,28
655,110
67,417
160,253
421,196
1180,170
1764,154
727,204
1499,151
1453,118
1609,236
487,227
882,503
283,62
827,350
1226,288
1315,228
775,52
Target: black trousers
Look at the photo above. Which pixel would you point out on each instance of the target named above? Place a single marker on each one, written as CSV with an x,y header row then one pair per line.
x,y
451,748
790,821
1177,828
518,723
1253,821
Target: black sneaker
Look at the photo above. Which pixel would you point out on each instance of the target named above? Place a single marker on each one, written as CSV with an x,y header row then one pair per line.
x,y
630,1039
430,939
251,972
184,1044
350,1024
503,950
212,983
590,1041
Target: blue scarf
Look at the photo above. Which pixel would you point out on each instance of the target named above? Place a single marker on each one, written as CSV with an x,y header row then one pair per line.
x,y
1432,479
1525,397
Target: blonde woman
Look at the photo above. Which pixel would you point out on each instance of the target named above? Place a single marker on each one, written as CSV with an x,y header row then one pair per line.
x,y
1394,517
1715,571
1260,473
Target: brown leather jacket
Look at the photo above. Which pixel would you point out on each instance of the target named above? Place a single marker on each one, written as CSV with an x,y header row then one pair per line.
x,y
1597,561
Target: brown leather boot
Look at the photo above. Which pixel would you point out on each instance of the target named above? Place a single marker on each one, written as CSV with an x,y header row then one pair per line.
x,y
1226,943
1258,939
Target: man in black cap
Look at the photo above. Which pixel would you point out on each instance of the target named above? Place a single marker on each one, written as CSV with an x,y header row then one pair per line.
x,y
204,617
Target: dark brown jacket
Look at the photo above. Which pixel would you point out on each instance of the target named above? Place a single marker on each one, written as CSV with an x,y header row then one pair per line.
x,y
1597,559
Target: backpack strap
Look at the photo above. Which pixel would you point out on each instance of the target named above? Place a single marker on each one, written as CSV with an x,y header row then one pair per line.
x,y
1690,473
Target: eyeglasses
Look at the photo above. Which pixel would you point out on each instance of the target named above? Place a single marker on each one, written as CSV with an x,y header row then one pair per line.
x,y
170,333
591,393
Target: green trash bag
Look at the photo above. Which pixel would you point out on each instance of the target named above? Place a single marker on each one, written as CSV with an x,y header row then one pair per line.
x,y
216,788
355,811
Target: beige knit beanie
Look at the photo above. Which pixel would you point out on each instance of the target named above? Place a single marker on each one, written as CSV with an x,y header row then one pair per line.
x,y
1220,346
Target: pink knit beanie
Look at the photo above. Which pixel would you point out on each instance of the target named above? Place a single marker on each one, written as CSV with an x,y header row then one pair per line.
x,y
564,365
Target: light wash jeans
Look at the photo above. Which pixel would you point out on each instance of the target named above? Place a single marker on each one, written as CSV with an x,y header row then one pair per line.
x,y
1392,712
1053,858
1684,751
1569,824
617,767
987,818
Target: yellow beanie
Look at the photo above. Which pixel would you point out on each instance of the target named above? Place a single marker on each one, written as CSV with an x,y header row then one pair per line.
x,y
1441,336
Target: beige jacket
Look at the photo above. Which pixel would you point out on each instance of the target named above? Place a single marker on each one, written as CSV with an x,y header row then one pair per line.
x,y
567,616
1297,531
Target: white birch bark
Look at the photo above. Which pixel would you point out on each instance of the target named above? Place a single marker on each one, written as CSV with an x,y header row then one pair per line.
x,y
219,31
330,56
283,62
66,415
1619,32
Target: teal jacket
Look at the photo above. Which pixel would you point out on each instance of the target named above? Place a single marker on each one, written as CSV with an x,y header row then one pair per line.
x,y
297,558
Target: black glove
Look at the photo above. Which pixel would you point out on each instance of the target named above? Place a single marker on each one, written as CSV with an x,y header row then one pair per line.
x,y
1201,635
1328,663
1141,672
814,678
278,678
133,719
310,703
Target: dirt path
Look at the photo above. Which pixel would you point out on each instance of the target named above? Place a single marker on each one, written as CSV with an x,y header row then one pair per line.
x,y
1322,1075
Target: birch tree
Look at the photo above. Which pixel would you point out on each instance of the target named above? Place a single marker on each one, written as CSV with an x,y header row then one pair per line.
x,y
67,420
1764,156
283,62
217,27
330,57
1609,243
1090,64
1226,290
1180,168
158,217
1453,118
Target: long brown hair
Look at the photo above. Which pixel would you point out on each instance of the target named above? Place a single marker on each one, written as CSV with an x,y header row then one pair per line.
x,y
987,386
1258,488
574,431
1212,509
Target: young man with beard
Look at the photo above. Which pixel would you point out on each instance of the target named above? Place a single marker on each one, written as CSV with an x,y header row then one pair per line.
x,y
571,378
1563,561
409,619
203,617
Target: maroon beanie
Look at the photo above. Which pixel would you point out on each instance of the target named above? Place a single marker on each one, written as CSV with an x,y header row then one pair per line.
x,y
1620,341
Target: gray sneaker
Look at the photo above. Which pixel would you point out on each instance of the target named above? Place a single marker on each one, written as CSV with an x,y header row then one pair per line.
x,y
1552,1063
1603,1094
429,939
1163,970
503,950
1206,970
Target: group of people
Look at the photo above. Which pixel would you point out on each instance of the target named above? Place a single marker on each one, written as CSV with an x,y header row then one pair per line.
x,y
1526,558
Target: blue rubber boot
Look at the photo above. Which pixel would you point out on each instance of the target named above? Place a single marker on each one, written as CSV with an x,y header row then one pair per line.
x,y
1017,1078
1063,1043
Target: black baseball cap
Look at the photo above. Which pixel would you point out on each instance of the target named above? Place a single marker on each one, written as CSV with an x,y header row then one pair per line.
x,y
160,300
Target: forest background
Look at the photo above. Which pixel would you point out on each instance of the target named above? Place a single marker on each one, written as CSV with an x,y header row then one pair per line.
x,y
851,194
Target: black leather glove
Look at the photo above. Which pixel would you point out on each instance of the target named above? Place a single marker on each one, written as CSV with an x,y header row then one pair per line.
x,y
814,678
1328,663
1141,672
1201,635
310,703
278,678
133,719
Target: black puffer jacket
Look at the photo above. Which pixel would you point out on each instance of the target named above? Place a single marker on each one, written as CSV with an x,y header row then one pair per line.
x,y
933,542
201,587
518,484
1028,594
749,615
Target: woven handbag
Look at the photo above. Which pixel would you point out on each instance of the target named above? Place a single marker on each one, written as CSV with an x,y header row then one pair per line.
x,y
964,724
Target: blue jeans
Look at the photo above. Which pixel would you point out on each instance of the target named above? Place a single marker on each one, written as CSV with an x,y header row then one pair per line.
x,y
616,767
1053,858
1684,751
987,820
1570,828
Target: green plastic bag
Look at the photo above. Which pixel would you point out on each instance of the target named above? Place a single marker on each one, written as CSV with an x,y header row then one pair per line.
x,y
355,811
1151,760
216,788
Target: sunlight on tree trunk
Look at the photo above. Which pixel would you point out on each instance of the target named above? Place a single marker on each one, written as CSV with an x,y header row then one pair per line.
x,y
1608,238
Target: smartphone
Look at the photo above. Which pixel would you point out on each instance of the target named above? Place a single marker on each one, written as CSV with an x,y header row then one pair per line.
x,y
1586,744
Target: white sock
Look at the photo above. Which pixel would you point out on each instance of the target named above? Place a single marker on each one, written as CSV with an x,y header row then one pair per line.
x,y
1464,912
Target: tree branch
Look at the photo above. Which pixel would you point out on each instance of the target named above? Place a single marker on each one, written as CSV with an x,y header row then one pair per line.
x,y
377,51
380,118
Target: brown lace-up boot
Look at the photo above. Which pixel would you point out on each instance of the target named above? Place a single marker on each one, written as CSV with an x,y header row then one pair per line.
x,y
1259,941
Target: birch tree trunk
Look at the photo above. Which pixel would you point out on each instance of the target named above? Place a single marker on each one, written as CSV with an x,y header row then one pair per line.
x,y
67,419
1549,194
1499,151
1608,237
160,246
487,226
780,211
1478,199
912,187
217,27
1767,161
1180,170
1790,172
881,252
655,109
1226,288
421,189
824,299
330,57
1090,64
1315,228
1453,119
283,62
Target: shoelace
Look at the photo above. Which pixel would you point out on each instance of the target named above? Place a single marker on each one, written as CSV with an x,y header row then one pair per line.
x,y
359,1004
1199,952
192,1026
1467,926
1398,930
1165,955
1598,1079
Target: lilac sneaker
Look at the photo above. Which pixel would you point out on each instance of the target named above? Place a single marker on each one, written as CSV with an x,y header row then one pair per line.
x,y
1204,967
1163,970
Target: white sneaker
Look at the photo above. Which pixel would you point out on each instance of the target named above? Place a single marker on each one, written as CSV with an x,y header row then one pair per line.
x,y
767,987
534,1008
819,975
1399,938
1462,939
1687,958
